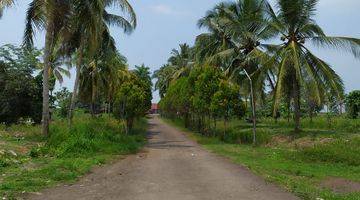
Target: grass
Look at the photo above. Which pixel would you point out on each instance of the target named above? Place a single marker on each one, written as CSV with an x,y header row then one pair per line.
x,y
29,162
302,165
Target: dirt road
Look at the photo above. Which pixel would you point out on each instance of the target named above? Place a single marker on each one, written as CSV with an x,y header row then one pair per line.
x,y
172,167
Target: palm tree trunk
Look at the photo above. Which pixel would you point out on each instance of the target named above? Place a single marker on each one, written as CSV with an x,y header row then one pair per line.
x,y
225,127
288,110
297,106
76,87
215,127
93,94
45,107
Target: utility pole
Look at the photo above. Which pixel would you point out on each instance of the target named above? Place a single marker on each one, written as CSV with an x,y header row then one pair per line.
x,y
253,107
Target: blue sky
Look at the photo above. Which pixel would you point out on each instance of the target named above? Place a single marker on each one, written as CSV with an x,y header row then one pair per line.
x,y
163,24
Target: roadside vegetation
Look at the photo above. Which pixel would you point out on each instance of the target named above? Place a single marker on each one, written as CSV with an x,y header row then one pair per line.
x,y
51,136
109,121
250,87
252,90
30,162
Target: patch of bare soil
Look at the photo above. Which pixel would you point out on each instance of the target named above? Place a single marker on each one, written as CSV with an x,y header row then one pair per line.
x,y
340,185
279,140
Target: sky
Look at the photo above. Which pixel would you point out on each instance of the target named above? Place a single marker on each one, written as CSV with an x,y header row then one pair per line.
x,y
164,24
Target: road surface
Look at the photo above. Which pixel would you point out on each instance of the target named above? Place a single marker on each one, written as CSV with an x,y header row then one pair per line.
x,y
172,167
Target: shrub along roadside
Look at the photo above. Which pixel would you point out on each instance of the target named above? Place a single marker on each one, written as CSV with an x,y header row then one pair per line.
x,y
67,154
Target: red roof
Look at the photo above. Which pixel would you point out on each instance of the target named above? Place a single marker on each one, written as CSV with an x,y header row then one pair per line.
x,y
154,106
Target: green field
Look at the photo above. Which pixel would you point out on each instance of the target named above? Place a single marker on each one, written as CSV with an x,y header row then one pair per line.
x,y
320,163
30,162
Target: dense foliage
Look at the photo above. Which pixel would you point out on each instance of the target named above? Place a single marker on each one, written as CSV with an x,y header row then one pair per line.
x,y
63,98
20,91
203,96
133,97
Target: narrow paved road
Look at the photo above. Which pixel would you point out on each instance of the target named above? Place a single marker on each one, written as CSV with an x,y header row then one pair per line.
x,y
172,167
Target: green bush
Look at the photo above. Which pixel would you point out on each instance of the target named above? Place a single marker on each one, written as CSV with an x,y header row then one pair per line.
x,y
340,151
353,104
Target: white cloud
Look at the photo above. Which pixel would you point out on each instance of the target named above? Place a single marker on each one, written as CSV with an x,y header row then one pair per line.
x,y
165,10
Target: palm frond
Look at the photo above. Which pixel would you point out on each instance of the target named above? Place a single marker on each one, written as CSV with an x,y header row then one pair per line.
x,y
119,21
351,45
35,16
126,7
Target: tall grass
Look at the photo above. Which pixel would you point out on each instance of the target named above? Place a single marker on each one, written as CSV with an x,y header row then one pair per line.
x,y
345,152
88,136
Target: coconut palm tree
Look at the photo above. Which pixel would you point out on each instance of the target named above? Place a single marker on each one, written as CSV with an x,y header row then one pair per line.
x,y
59,67
209,45
98,70
294,23
89,21
164,76
236,42
117,74
53,17
181,60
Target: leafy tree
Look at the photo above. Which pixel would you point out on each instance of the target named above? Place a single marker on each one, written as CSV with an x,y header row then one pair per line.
x,y
143,75
133,96
353,104
206,84
63,98
20,91
178,100
129,102
227,102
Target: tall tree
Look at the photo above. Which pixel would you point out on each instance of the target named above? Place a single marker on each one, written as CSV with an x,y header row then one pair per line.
x,y
53,17
294,22
97,72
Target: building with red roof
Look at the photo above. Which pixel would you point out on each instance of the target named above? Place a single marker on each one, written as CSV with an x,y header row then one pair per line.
x,y
155,108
